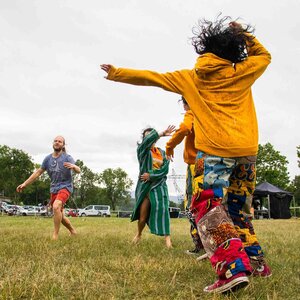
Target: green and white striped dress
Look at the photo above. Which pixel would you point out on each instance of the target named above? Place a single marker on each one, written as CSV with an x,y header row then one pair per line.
x,y
156,187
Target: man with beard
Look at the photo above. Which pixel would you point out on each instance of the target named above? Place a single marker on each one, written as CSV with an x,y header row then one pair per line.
x,y
58,165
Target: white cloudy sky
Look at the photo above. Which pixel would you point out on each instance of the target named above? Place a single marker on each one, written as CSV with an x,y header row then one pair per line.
x,y
50,81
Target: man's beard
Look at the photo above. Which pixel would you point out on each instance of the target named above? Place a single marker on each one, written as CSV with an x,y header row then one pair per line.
x,y
57,149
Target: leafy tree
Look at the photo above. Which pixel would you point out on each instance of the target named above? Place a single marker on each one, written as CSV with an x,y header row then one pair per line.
x,y
271,166
173,204
94,195
298,154
295,189
295,185
15,167
38,192
128,206
85,189
116,185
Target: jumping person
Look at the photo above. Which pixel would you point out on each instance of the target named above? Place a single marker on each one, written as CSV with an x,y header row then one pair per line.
x,y
151,194
58,165
186,132
218,91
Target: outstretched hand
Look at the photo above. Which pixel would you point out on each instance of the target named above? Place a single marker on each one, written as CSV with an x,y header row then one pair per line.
x,y
20,188
236,26
170,129
106,68
169,157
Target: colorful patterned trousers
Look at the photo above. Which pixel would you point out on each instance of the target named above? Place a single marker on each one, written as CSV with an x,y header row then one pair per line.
x,y
223,189
189,189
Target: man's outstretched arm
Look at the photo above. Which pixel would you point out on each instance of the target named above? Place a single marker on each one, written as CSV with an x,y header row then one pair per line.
x,y
30,180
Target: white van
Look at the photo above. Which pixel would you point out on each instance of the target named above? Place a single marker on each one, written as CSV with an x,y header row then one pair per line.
x,y
95,210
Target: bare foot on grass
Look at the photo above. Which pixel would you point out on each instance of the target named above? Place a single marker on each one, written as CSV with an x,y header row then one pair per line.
x,y
73,232
168,242
136,239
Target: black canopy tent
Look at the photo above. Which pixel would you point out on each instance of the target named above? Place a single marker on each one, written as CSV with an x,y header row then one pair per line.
x,y
278,200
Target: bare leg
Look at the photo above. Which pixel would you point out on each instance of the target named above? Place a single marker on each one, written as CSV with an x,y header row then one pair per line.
x,y
57,217
144,214
66,222
168,241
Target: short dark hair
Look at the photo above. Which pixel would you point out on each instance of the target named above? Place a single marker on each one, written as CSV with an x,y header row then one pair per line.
x,y
221,39
146,130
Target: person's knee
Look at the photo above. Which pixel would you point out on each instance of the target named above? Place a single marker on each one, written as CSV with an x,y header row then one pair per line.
x,y
57,206
143,219
65,221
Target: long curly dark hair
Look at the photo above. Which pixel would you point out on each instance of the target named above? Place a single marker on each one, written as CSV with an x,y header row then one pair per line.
x,y
222,38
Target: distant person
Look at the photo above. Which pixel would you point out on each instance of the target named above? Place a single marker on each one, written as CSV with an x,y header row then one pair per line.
x,y
58,165
218,91
151,193
186,132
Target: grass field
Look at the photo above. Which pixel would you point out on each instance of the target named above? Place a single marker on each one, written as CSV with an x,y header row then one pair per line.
x,y
101,263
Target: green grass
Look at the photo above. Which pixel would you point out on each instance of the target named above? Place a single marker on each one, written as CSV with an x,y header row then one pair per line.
x,y
101,263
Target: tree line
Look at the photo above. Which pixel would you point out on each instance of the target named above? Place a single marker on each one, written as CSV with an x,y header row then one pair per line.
x,y
113,186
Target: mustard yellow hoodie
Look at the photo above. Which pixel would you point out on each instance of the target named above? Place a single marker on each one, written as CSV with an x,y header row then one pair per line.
x,y
219,95
185,130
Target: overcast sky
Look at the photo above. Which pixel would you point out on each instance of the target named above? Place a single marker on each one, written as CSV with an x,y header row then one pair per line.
x,y
51,83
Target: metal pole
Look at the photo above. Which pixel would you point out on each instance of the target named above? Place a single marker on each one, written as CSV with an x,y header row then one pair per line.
x,y
269,211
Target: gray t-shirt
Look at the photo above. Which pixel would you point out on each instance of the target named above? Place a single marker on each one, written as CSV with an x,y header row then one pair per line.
x,y
61,177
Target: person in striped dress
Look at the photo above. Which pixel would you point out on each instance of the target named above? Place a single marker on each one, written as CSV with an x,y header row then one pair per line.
x,y
151,194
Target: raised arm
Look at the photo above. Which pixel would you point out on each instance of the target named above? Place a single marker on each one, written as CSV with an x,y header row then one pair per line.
x,y
258,56
71,166
146,144
171,81
30,180
151,138
184,129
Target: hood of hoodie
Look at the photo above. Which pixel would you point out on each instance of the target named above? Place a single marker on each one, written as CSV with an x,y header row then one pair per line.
x,y
211,67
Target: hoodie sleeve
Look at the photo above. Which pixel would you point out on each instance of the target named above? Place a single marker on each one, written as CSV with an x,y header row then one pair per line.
x,y
257,61
184,129
171,81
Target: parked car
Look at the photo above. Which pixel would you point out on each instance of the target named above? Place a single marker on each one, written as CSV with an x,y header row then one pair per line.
x,y
12,209
174,212
262,213
3,206
124,214
32,211
95,210
71,212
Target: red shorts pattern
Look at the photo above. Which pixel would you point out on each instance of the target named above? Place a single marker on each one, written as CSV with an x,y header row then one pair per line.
x,y
62,195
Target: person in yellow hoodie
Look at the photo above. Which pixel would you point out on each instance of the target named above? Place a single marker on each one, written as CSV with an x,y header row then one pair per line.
x,y
218,91
186,132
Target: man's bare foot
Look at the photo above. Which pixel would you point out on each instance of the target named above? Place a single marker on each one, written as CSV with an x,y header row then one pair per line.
x,y
136,239
55,237
73,232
